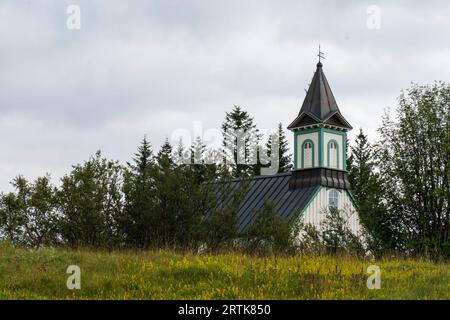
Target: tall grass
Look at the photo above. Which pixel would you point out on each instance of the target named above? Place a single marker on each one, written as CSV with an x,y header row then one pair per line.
x,y
165,274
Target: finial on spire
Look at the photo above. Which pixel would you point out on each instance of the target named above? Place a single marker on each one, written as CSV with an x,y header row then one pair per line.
x,y
321,56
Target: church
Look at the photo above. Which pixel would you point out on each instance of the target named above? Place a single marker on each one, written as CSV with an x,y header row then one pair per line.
x,y
319,179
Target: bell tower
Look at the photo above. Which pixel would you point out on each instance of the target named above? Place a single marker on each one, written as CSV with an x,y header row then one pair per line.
x,y
320,138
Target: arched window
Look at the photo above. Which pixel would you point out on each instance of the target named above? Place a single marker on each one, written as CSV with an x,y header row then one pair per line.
x,y
308,154
333,154
333,199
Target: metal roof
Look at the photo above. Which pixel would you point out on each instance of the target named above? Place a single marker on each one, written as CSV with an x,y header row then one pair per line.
x,y
288,202
320,105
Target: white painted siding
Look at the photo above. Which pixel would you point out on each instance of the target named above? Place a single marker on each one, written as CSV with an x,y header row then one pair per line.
x,y
339,139
315,212
314,137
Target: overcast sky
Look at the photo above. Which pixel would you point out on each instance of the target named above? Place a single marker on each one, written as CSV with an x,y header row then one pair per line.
x,y
156,67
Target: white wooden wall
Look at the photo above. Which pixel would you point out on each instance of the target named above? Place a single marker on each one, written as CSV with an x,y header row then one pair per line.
x,y
315,212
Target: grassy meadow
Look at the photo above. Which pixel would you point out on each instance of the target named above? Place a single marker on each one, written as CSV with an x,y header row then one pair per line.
x,y
41,274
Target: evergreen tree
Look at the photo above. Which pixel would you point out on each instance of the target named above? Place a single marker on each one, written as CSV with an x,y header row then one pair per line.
x,y
198,166
139,219
168,194
367,189
284,158
238,122
362,167
198,150
143,159
180,155
164,158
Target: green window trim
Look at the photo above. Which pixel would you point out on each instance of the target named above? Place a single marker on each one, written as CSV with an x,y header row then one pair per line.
x,y
303,153
343,134
352,199
328,153
321,148
295,149
342,157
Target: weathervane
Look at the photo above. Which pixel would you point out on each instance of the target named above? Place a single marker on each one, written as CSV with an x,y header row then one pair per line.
x,y
320,55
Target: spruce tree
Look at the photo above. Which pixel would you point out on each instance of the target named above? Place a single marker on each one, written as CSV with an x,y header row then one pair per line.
x,y
235,121
361,168
143,158
168,180
367,189
180,155
198,166
164,158
284,157
139,222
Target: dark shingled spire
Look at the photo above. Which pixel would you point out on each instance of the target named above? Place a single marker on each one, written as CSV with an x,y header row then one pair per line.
x,y
319,105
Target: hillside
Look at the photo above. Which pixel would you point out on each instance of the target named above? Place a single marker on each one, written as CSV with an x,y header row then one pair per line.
x,y
42,274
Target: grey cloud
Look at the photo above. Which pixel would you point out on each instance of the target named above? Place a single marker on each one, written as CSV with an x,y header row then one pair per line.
x,y
151,67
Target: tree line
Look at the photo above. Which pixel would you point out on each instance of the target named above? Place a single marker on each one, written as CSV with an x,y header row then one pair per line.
x,y
154,201
400,182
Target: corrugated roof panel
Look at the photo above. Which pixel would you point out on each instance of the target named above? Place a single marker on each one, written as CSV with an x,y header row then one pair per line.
x,y
259,199
288,202
299,202
227,193
256,191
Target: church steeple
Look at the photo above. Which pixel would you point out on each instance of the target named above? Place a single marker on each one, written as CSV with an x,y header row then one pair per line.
x,y
319,106
320,129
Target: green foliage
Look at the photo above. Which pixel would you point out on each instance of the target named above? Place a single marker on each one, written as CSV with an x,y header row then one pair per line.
x,y
336,234
29,216
368,190
236,121
269,232
90,203
11,218
138,220
333,236
163,274
223,224
402,183
155,201
310,240
284,158
413,157
169,203
223,227
203,165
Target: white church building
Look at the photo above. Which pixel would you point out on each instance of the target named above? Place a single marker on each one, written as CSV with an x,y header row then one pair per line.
x,y
319,179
